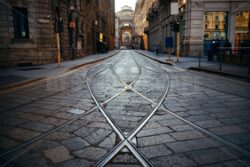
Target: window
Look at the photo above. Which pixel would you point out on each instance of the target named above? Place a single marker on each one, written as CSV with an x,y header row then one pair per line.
x,y
242,27
215,25
20,21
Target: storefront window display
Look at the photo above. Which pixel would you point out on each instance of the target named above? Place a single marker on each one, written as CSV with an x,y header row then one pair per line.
x,y
215,26
242,27
215,29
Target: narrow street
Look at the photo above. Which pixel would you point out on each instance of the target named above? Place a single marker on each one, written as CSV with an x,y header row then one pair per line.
x,y
127,110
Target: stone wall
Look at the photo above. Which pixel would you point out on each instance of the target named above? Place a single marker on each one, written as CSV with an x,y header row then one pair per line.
x,y
40,47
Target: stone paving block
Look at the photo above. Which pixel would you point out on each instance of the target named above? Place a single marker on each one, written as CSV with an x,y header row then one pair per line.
x,y
197,112
153,140
75,143
59,136
152,125
178,147
58,154
210,156
170,122
65,115
7,143
69,128
199,118
123,165
77,163
237,163
208,123
53,121
180,128
30,116
11,121
155,151
30,159
91,153
46,145
97,136
187,135
84,131
36,126
151,132
22,134
241,138
233,121
125,158
99,125
179,160
109,142
203,143
245,126
45,112
225,130
158,117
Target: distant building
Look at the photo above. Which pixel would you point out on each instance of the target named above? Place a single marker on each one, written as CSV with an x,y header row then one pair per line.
x,y
27,30
124,28
198,24
140,22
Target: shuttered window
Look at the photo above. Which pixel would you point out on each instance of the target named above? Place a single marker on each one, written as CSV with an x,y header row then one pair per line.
x,y
20,21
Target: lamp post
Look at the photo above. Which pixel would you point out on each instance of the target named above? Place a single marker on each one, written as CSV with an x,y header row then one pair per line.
x,y
72,32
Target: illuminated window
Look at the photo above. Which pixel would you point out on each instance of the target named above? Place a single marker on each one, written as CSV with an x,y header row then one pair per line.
x,y
242,27
215,25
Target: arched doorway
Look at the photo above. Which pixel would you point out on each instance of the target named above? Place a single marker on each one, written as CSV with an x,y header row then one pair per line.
x,y
126,35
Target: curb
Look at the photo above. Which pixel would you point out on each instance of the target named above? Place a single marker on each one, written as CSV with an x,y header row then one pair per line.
x,y
245,77
160,61
6,89
9,87
90,62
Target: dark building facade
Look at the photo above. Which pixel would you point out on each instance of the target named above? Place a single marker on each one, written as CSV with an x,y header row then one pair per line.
x,y
124,28
197,24
28,30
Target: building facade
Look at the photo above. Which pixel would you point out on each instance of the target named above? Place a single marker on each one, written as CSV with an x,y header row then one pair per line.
x,y
198,23
140,22
219,20
28,30
124,28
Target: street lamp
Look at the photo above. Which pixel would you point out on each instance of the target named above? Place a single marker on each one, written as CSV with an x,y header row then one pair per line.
x,y
72,31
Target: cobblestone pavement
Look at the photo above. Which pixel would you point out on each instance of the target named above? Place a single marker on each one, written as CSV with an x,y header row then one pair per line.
x,y
64,127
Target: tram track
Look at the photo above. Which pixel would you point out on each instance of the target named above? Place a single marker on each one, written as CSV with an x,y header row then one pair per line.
x,y
223,141
115,150
42,85
126,138
203,74
33,141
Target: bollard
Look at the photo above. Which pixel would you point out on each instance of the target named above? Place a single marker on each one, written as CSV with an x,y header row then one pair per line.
x,y
220,57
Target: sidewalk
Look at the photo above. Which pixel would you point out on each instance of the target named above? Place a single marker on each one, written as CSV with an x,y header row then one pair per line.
x,y
10,77
205,65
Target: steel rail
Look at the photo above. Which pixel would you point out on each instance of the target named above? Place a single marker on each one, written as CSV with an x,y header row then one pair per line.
x,y
124,142
207,87
41,136
123,82
127,140
202,74
44,97
223,141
